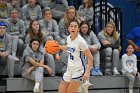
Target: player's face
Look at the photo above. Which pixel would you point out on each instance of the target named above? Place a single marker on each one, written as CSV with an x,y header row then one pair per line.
x,y
130,49
35,27
48,15
109,29
35,45
73,28
71,13
84,28
14,14
2,30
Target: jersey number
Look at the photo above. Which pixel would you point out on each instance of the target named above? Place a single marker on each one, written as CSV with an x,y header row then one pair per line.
x,y
71,57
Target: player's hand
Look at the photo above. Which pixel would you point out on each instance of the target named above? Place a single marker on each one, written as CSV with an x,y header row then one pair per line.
x,y
86,76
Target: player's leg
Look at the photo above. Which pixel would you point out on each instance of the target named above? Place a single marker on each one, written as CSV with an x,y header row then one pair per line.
x,y
73,86
63,86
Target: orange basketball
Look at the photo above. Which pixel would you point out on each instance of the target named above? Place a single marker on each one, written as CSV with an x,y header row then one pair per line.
x,y
51,46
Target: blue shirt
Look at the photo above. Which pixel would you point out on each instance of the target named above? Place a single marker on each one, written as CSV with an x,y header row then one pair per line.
x,y
134,35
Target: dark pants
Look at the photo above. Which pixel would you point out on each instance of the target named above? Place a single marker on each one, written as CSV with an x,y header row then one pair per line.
x,y
138,64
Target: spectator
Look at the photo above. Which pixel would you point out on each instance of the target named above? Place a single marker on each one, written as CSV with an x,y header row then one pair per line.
x,y
5,50
51,4
49,26
94,46
33,68
15,4
16,28
70,15
35,32
134,38
31,11
4,10
129,66
110,40
85,11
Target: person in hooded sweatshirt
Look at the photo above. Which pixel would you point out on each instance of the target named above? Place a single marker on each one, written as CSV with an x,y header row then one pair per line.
x,y
33,64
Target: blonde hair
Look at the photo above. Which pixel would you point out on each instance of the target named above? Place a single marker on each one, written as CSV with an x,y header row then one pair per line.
x,y
114,33
66,18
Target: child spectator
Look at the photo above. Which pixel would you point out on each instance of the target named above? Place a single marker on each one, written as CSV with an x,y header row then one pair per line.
x,y
129,66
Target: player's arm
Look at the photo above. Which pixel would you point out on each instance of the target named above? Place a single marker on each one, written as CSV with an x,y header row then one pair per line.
x,y
84,47
63,47
89,57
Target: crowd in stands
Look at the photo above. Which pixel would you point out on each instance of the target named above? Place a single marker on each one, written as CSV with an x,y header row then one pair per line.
x,y
25,26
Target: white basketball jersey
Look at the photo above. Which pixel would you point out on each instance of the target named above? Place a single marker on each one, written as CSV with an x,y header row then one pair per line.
x,y
75,48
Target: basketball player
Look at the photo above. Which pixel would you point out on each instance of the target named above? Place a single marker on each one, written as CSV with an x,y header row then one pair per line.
x,y
76,70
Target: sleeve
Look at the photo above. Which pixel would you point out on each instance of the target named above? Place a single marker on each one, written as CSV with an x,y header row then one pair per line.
x,y
79,11
131,35
54,28
89,14
62,29
27,39
83,45
101,37
95,40
22,30
26,55
9,44
39,13
124,67
135,65
24,12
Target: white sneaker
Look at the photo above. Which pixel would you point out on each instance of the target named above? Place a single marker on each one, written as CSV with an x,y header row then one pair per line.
x,y
84,87
130,91
115,72
36,88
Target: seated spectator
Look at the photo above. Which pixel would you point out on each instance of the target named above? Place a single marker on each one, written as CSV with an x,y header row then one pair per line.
x,y
94,46
16,28
134,38
129,66
70,15
33,68
15,4
57,14
85,11
35,32
110,40
31,11
4,10
49,26
5,50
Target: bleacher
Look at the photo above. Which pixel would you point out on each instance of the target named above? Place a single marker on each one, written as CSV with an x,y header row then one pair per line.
x,y
101,84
